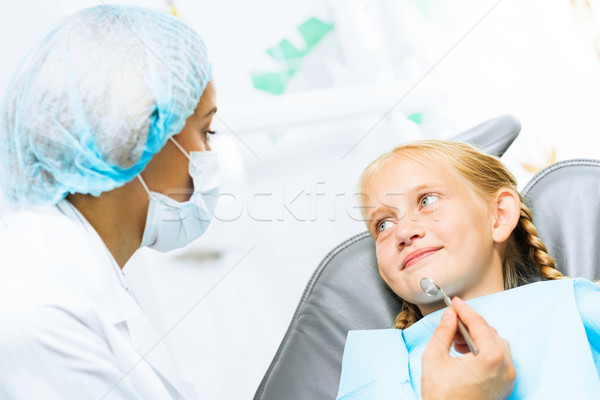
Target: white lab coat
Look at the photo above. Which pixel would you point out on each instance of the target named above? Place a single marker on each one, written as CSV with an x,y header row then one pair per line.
x,y
69,327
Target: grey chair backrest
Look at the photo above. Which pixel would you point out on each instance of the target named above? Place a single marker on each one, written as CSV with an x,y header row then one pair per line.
x,y
565,201
346,293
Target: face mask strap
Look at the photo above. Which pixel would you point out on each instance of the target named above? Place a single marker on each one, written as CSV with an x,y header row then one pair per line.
x,y
144,185
180,148
185,153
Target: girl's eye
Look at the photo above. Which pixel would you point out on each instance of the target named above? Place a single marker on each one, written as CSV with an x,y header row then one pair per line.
x,y
383,225
428,199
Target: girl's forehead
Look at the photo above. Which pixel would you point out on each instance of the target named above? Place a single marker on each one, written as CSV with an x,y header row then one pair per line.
x,y
410,171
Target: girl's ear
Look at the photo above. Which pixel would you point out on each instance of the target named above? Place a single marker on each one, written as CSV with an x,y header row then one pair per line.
x,y
506,211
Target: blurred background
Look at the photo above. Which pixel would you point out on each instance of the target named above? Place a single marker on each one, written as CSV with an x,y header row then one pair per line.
x,y
309,92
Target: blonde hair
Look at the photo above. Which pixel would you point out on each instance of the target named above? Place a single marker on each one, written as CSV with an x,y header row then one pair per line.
x,y
525,259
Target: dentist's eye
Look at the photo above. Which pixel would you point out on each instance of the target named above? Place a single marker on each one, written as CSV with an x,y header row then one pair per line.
x,y
206,134
383,225
428,199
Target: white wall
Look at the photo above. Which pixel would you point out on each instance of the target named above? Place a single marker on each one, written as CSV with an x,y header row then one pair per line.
x,y
20,28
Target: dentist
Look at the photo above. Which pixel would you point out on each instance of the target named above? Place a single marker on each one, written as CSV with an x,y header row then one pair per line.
x,y
103,149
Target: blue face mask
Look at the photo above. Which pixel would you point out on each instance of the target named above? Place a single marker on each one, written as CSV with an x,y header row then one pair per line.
x,y
171,224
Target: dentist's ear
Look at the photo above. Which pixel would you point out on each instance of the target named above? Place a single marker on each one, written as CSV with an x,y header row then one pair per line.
x,y
506,211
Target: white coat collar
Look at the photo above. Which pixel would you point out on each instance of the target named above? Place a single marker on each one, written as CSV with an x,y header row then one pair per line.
x,y
84,262
143,335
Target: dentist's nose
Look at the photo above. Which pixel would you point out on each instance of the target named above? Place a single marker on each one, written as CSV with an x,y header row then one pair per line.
x,y
408,230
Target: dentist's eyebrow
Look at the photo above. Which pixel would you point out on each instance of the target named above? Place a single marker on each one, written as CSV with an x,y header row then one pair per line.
x,y
211,111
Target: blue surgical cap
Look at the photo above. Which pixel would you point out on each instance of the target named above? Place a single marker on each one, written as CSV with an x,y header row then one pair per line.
x,y
95,99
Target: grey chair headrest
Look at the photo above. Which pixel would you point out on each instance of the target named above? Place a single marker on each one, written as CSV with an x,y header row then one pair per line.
x,y
565,201
494,136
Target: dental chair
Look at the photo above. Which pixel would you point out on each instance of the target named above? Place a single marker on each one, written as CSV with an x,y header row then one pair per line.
x,y
346,292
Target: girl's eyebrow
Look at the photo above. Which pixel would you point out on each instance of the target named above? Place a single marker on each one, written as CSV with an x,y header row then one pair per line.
x,y
429,185
417,189
378,210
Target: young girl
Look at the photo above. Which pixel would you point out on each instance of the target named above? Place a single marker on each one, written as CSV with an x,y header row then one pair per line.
x,y
449,212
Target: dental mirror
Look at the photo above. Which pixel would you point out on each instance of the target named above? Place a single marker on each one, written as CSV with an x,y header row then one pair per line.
x,y
432,289
429,287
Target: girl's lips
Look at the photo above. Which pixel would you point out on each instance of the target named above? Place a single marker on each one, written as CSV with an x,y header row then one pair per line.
x,y
419,255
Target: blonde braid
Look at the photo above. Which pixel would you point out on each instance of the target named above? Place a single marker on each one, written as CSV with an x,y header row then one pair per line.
x,y
546,266
409,315
537,250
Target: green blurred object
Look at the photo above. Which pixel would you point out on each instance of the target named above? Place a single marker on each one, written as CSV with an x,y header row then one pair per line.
x,y
273,82
417,118
426,7
312,31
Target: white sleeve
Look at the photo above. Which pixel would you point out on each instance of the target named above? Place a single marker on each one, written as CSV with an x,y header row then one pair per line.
x,y
47,353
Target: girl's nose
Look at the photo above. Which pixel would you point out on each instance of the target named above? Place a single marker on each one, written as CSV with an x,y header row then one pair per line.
x,y
408,230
